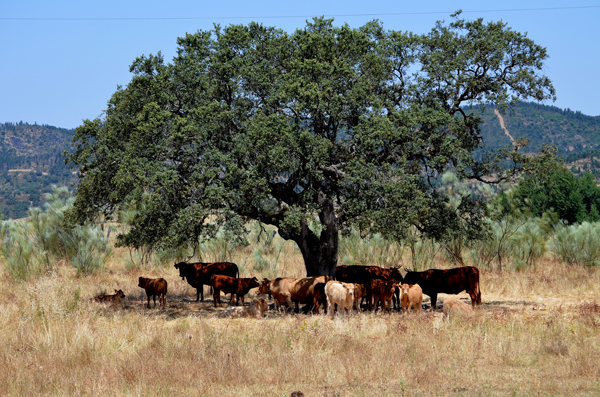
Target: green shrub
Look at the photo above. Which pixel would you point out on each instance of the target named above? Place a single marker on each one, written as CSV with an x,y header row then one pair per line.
x,y
377,251
577,244
267,250
37,243
528,243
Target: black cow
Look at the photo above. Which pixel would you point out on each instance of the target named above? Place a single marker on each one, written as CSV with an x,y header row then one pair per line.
x,y
364,274
450,281
198,274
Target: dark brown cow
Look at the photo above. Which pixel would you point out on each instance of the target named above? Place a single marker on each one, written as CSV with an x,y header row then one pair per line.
x,y
198,274
288,290
319,297
450,281
383,290
117,297
364,274
231,285
155,287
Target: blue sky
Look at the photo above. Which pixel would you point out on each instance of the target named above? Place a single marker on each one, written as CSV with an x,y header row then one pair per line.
x,y
61,61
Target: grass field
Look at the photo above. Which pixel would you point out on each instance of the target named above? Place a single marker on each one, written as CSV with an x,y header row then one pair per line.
x,y
536,333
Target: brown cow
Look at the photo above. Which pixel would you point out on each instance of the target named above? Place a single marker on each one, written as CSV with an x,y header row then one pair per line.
x,y
411,295
198,274
155,287
256,310
288,290
360,291
364,274
456,307
117,297
231,285
451,281
384,291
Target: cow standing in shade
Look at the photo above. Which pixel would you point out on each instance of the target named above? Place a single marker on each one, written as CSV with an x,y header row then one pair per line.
x,y
340,294
384,291
364,274
411,295
198,274
154,287
291,290
451,281
231,285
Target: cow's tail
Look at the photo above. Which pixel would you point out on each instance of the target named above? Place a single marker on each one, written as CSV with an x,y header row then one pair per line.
x,y
477,288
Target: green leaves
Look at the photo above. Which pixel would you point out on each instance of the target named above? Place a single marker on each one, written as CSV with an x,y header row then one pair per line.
x,y
350,126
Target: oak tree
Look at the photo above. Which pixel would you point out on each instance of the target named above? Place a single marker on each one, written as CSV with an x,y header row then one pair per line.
x,y
330,125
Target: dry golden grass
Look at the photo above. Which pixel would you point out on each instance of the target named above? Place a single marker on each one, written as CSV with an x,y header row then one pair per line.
x,y
536,333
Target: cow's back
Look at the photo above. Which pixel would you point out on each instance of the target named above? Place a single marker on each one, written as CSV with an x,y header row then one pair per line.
x,y
222,268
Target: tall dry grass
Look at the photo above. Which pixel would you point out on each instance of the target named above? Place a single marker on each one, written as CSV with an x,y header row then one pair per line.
x,y
537,332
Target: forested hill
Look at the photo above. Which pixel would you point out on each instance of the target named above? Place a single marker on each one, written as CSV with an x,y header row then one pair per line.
x,y
572,132
30,162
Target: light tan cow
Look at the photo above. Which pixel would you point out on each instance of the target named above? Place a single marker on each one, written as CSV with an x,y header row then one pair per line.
x,y
340,294
291,290
256,310
411,295
456,307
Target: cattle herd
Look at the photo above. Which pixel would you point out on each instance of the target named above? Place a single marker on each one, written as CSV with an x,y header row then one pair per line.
x,y
354,287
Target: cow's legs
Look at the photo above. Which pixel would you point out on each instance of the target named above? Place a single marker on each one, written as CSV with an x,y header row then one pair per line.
x,y
433,301
216,299
473,296
396,299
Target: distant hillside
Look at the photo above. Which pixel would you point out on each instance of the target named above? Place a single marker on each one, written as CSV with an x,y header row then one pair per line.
x,y
31,155
570,131
30,162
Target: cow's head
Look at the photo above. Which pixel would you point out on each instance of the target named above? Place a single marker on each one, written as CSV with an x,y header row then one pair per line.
x,y
404,288
411,277
143,282
350,291
360,290
395,274
253,282
120,294
264,287
181,266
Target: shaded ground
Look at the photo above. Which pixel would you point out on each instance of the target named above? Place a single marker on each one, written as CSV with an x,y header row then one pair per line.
x,y
184,304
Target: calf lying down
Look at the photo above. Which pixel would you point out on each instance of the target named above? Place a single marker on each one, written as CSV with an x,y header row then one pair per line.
x,y
116,297
256,310
455,307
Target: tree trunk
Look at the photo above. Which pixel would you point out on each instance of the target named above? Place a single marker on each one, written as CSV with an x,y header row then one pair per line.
x,y
320,253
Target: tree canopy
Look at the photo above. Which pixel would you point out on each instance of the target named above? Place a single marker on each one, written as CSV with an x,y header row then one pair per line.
x,y
329,125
